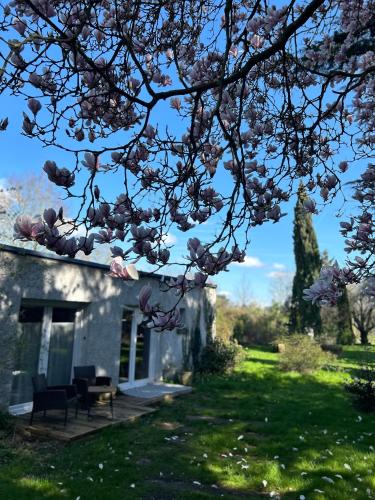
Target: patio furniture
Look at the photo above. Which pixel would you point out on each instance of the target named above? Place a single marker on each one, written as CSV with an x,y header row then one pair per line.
x,y
52,397
85,378
95,390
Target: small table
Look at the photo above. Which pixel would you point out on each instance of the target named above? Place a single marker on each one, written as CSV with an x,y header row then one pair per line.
x,y
102,389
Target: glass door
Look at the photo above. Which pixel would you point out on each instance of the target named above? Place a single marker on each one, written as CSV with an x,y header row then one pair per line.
x,y
29,333
142,353
61,346
45,340
126,330
134,351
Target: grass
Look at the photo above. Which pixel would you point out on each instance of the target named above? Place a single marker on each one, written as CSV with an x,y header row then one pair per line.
x,y
244,435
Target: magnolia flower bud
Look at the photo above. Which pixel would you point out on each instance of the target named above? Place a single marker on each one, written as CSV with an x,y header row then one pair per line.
x,y
34,106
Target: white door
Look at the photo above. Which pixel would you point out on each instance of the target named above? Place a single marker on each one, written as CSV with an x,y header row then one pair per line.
x,y
134,351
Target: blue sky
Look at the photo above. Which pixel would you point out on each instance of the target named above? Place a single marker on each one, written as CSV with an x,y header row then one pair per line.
x,y
270,253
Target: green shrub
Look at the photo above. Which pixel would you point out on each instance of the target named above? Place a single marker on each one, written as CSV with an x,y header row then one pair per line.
x,y
362,389
302,354
219,357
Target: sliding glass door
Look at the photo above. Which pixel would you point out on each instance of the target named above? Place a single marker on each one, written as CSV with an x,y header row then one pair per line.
x,y
45,340
61,346
29,333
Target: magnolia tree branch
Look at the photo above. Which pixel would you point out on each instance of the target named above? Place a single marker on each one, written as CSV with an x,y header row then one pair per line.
x,y
262,97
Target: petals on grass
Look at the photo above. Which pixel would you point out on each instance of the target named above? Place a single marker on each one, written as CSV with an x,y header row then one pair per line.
x,y
328,480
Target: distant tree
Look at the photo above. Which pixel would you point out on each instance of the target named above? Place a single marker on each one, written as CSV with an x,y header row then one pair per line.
x,y
244,291
304,315
363,313
29,194
345,333
281,288
260,325
226,313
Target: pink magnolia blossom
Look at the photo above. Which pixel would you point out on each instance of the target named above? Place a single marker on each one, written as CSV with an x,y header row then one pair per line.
x,y
257,41
23,227
34,105
126,273
50,216
166,321
59,176
143,299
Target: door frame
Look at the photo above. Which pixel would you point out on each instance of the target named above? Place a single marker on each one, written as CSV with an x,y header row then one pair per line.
x,y
45,339
136,319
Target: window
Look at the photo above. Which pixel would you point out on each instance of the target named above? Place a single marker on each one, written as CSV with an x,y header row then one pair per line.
x,y
30,314
63,315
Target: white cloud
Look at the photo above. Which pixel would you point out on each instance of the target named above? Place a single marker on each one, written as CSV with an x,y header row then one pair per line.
x,y
279,274
225,293
279,267
169,239
250,262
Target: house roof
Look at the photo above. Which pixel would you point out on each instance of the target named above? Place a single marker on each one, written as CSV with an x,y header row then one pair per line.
x,y
77,262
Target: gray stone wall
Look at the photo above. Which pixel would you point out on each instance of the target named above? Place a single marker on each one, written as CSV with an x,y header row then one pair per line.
x,y
101,300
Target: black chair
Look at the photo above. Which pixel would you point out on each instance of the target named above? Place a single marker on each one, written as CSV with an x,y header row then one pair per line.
x,y
52,397
84,377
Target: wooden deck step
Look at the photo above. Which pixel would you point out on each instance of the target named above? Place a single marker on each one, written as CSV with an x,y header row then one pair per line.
x,y
52,426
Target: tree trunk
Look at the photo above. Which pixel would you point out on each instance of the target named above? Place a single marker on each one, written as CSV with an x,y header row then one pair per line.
x,y
364,336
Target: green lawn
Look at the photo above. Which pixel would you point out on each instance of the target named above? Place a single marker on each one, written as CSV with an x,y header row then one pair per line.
x,y
245,435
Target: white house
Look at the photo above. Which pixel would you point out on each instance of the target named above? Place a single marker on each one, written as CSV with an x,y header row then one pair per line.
x,y
57,313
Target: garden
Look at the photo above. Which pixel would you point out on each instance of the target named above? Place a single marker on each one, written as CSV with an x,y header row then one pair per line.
x,y
259,431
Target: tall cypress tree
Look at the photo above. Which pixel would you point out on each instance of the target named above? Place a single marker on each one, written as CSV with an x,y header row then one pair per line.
x,y
345,334
303,314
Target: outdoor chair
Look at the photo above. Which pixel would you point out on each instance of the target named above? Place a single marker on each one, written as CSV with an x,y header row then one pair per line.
x,y
85,377
52,397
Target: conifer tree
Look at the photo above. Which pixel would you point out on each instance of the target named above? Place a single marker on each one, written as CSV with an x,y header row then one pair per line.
x,y
304,315
345,334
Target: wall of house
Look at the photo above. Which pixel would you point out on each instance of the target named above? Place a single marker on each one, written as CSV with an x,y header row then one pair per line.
x,y
100,300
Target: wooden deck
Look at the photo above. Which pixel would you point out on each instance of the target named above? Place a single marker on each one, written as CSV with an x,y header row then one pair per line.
x,y
126,409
